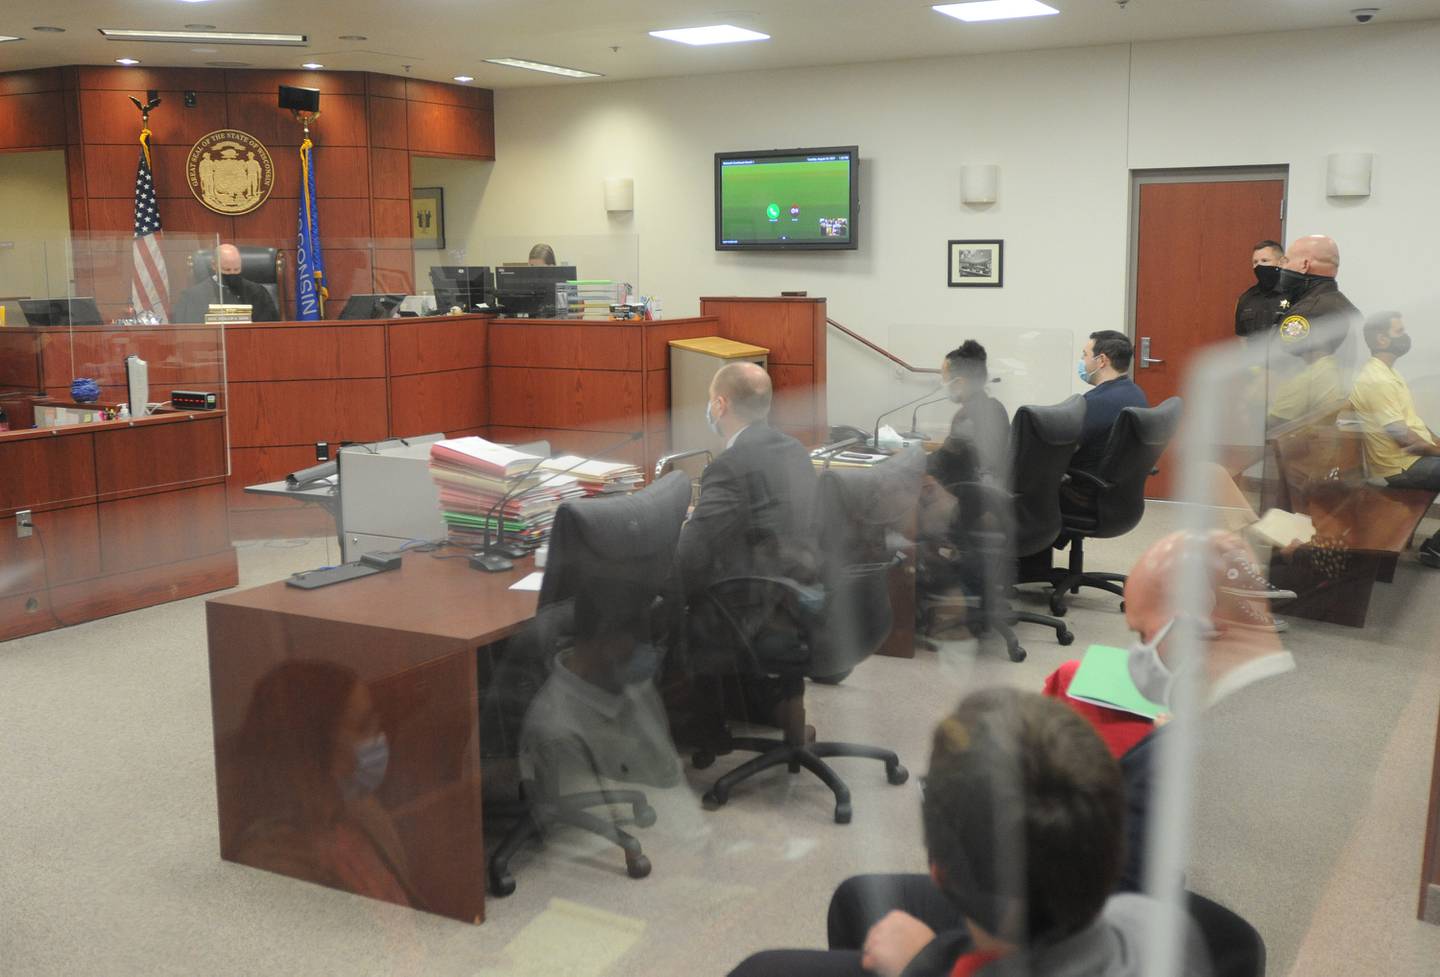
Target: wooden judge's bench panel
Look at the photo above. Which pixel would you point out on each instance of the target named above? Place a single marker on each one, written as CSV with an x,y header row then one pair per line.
x,y
127,514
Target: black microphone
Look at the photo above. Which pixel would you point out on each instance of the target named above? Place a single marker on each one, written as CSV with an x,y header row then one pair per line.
x,y
498,557
875,438
914,415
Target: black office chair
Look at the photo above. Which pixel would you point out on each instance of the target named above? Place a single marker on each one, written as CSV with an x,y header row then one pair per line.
x,y
609,567
1234,946
1110,502
996,525
776,627
263,266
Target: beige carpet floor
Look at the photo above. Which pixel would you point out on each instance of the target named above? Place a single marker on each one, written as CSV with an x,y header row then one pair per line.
x,y
109,859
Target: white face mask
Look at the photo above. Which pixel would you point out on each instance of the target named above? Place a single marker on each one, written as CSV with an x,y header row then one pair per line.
x,y
1149,673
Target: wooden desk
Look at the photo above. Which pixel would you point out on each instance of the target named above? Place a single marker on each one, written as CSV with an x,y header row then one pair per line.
x,y
410,636
127,514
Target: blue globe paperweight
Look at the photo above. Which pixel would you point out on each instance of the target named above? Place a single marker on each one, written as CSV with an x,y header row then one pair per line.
x,y
84,390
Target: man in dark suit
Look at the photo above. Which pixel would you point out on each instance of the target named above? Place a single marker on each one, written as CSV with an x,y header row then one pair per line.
x,y
227,288
753,515
1105,365
753,518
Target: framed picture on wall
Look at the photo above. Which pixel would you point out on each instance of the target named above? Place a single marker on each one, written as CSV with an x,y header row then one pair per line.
x,y
977,264
427,218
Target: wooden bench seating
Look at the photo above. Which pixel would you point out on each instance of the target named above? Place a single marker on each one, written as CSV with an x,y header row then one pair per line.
x,y
1361,525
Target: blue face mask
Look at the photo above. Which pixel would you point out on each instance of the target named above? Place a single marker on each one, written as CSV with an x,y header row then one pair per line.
x,y
710,420
372,757
1086,376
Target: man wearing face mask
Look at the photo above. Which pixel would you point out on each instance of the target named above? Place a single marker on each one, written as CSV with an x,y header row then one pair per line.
x,y
1310,300
1256,310
1104,364
227,287
1239,647
753,518
1399,447
753,514
979,441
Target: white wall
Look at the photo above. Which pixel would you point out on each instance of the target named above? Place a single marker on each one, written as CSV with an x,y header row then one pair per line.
x,y
1065,128
34,225
464,182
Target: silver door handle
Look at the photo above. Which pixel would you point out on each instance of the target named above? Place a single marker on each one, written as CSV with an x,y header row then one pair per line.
x,y
1145,358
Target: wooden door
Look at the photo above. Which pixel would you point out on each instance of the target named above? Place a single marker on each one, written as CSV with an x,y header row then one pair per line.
x,y
1192,262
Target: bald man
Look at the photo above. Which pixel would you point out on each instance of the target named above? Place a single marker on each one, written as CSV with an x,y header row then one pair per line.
x,y
753,518
1310,300
1239,645
753,515
225,287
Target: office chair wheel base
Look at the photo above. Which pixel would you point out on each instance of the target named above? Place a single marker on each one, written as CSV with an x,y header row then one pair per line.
x,y
1057,605
702,759
843,813
502,885
638,866
1017,654
835,679
897,774
714,798
1065,636
644,816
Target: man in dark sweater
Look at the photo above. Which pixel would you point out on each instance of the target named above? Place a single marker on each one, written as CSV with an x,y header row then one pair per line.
x,y
1104,364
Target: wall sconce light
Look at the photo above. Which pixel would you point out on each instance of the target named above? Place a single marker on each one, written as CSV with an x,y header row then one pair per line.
x,y
979,184
1348,174
619,194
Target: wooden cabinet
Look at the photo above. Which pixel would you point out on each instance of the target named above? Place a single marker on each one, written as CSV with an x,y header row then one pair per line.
x,y
126,514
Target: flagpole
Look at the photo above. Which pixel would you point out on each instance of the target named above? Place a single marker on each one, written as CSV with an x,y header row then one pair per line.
x,y
309,261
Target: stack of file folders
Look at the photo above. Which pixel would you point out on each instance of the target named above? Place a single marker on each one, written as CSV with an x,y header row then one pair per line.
x,y
596,476
474,475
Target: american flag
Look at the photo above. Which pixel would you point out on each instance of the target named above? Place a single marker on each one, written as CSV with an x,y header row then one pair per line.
x,y
149,285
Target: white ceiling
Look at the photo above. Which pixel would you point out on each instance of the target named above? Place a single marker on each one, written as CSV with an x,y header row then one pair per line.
x,y
443,38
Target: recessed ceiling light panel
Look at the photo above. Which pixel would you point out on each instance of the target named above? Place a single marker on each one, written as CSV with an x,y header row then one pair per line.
x,y
312,65
982,10
7,37
715,34
463,78
48,30
353,37
127,62
210,37
553,69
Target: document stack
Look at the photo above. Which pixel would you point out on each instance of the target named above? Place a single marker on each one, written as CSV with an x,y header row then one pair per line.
x,y
596,476
486,488
591,299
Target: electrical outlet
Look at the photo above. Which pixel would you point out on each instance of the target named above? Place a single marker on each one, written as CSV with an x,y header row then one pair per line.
x,y
24,524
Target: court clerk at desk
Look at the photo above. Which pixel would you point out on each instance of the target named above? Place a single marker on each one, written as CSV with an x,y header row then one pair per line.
x,y
229,288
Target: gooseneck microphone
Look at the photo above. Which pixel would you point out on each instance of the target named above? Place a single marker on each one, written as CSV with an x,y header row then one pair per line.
x,y
499,557
875,437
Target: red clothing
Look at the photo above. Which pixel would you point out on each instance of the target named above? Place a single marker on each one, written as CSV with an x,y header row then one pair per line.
x,y
973,963
1119,730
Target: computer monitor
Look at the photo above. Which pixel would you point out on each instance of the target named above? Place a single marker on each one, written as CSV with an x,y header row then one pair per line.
x,y
371,306
61,312
530,290
466,287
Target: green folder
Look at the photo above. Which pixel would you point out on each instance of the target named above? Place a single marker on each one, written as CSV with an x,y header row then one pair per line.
x,y
1103,679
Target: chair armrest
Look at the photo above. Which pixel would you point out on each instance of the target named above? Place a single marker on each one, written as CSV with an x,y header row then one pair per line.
x,y
666,463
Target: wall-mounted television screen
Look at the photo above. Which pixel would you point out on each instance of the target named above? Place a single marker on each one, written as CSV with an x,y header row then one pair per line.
x,y
787,199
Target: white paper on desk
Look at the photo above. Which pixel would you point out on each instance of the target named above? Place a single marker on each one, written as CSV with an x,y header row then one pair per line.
x,y
530,582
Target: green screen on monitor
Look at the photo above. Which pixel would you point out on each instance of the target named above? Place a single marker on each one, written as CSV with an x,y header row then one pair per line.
x,y
799,198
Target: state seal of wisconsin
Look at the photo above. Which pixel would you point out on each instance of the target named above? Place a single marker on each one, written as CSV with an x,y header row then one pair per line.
x,y
230,172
